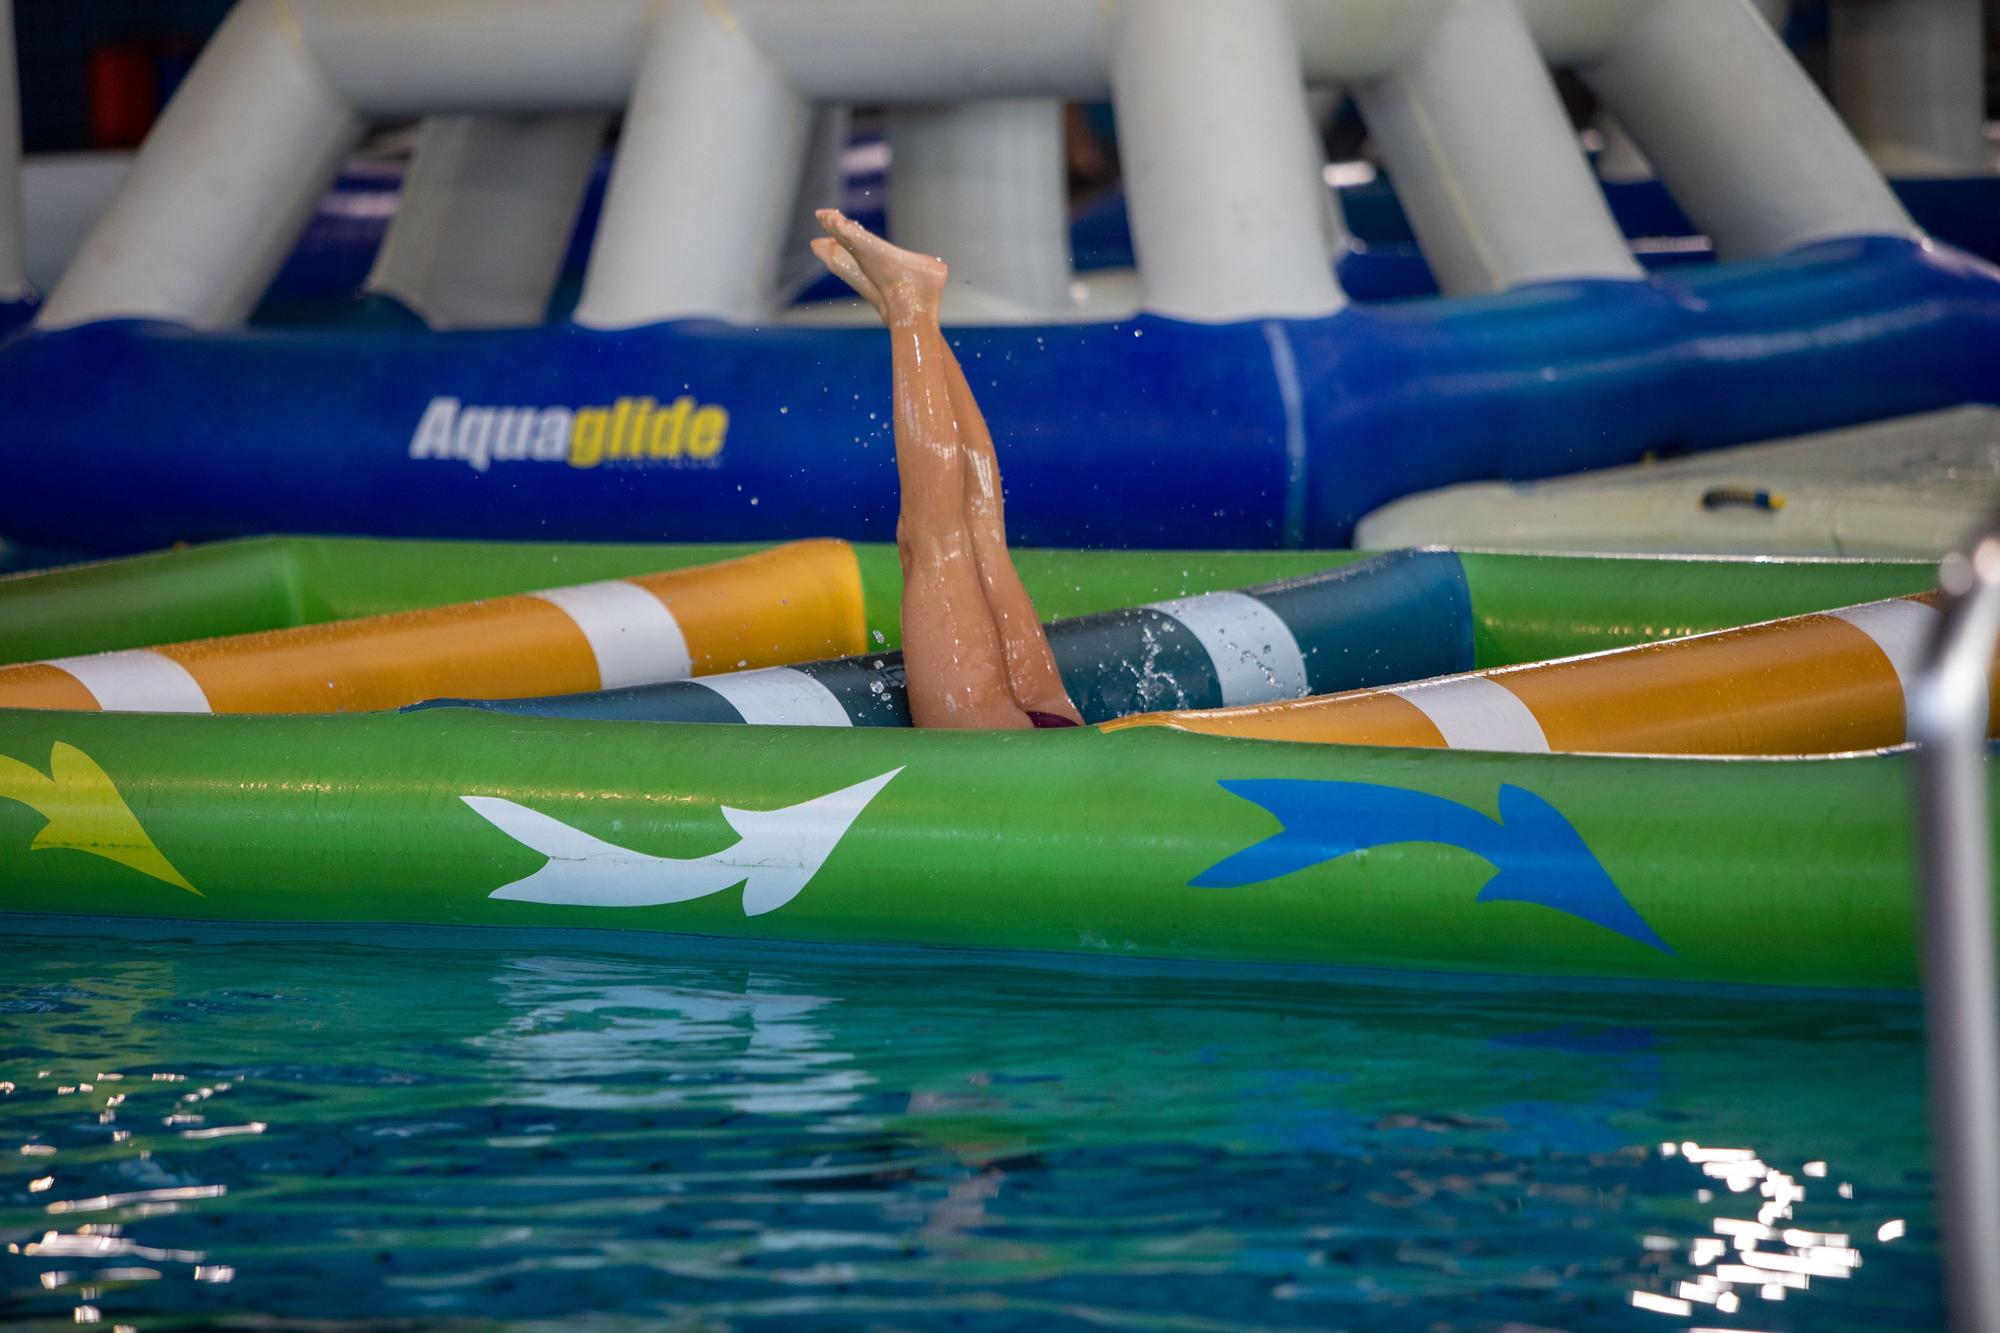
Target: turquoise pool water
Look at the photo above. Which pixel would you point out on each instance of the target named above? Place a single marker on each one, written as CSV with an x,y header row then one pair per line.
x,y
423,1130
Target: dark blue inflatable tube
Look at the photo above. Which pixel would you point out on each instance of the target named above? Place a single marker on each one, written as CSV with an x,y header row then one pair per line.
x,y
16,314
1963,211
1146,432
1406,615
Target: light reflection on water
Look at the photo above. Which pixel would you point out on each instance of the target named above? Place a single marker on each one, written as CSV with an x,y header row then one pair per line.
x,y
1745,1259
357,1134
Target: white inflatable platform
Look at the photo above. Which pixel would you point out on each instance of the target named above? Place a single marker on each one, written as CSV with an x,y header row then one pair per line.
x,y
1915,486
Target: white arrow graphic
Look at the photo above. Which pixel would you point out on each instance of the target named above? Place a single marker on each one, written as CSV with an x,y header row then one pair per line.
x,y
777,854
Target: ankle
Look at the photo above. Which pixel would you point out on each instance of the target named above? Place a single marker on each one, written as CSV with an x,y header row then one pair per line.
x,y
911,311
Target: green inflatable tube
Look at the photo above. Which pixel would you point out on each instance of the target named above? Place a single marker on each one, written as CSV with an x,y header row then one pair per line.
x,y
1525,607
1137,844
260,583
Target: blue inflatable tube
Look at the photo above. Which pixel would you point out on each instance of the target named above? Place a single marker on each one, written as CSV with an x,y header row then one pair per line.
x,y
1146,432
16,314
1404,615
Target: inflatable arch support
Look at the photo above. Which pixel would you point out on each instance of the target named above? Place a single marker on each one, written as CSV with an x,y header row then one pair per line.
x,y
1259,410
1908,77
719,102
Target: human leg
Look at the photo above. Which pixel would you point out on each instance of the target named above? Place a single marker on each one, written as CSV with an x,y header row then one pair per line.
x,y
952,649
1031,666
1032,676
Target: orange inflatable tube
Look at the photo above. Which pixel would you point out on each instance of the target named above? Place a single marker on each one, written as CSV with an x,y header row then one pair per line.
x,y
1812,684
790,604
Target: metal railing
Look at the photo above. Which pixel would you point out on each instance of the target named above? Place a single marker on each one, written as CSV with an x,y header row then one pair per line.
x,y
1948,721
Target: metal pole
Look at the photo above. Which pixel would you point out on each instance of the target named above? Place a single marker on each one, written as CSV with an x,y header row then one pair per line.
x,y
1948,721
13,281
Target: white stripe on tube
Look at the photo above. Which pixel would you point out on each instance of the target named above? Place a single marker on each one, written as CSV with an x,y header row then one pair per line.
x,y
779,697
137,680
632,634
1475,713
1900,628
1255,654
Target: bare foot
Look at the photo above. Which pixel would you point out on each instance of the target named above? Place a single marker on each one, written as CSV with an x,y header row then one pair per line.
x,y
841,264
910,284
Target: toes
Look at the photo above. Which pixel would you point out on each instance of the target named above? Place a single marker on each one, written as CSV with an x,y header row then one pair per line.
x,y
841,226
833,255
886,269
843,229
836,257
843,266
857,238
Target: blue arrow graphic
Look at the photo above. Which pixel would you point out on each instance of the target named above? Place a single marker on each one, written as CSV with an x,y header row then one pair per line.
x,y
1537,855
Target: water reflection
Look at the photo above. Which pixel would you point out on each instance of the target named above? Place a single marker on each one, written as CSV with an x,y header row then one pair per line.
x,y
581,1030
358,1133
1755,1259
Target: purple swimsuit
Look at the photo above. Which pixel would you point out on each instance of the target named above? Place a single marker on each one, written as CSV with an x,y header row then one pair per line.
x,y
1049,719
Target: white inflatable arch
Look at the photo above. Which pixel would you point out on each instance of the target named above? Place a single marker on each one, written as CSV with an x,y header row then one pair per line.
x,y
731,112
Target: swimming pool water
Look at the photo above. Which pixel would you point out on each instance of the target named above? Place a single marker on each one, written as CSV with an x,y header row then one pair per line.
x,y
427,1131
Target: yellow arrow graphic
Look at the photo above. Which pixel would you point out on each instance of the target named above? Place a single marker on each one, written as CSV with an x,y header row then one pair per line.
x,y
85,813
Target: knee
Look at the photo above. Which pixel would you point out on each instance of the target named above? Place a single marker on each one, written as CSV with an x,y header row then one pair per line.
x,y
929,550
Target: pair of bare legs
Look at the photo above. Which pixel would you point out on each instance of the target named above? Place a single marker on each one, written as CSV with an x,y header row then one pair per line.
x,y
973,649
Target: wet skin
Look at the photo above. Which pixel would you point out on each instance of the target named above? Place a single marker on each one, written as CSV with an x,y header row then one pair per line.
x,y
973,645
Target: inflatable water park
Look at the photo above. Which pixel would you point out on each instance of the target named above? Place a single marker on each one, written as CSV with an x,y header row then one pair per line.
x,y
1492,494
1237,396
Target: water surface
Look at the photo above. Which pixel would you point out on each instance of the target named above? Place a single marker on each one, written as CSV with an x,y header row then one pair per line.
x,y
435,1130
